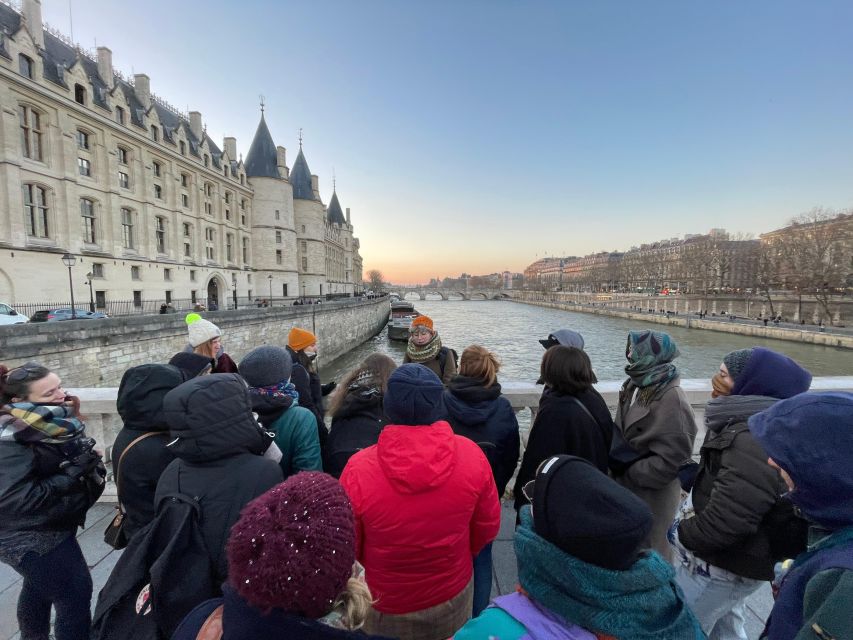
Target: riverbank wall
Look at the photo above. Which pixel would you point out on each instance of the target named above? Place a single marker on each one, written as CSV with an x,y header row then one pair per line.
x,y
561,301
95,353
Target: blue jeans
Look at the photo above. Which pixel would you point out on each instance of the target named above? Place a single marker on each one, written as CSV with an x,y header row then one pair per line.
x,y
61,579
482,579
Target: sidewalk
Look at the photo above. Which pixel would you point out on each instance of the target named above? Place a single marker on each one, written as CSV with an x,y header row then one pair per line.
x,y
102,558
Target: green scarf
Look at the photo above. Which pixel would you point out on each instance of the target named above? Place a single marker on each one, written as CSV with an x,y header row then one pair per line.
x,y
641,603
425,353
650,355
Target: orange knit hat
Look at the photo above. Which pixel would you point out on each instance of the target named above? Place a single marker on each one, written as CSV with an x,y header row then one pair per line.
x,y
422,320
299,339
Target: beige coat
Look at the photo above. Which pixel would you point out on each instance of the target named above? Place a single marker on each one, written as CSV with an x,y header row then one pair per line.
x,y
666,429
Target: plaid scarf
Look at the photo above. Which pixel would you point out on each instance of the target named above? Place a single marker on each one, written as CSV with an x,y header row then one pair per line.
x,y
28,422
650,355
425,353
277,392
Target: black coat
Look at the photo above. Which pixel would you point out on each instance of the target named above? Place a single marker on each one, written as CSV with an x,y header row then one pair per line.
x,y
140,404
486,417
310,391
216,438
356,426
563,427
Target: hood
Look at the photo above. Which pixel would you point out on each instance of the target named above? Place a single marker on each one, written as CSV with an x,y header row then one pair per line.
x,y
141,394
810,436
768,373
211,418
467,401
417,459
361,401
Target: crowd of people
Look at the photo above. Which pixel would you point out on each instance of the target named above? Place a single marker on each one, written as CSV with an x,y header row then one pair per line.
x,y
242,516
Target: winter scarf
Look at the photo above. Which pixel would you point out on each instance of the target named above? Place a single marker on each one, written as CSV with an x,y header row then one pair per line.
x,y
283,393
641,603
649,365
28,422
723,411
425,353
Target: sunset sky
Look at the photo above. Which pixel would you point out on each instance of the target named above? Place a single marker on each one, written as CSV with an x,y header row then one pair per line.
x,y
479,135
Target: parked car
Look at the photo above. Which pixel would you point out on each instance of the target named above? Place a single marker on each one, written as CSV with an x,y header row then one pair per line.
x,y
9,316
56,315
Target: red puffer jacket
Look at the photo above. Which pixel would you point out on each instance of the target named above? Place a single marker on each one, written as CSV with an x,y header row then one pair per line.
x,y
425,503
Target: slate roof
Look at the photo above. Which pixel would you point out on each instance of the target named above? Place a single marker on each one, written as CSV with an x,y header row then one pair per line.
x,y
300,178
261,161
334,213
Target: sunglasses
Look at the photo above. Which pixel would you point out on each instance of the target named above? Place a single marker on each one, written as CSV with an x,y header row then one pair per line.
x,y
28,371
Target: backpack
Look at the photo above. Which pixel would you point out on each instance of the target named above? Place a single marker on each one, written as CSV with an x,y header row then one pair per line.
x,y
442,359
163,574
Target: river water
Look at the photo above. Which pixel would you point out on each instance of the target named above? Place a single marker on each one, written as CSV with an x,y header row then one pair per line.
x,y
512,330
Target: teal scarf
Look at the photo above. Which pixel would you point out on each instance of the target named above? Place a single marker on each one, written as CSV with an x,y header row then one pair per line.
x,y
650,355
642,603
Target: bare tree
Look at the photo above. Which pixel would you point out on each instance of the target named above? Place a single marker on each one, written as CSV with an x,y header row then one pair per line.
x,y
768,273
375,280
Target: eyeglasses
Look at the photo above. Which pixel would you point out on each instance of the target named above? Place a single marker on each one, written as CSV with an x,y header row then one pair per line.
x,y
27,371
527,490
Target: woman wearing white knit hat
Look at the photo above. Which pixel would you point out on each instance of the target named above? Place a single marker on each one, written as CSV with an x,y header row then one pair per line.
x,y
205,339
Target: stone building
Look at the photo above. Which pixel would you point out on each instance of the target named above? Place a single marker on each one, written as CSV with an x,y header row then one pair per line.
x,y
96,165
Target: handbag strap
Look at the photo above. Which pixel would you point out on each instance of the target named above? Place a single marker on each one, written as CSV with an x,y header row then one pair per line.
x,y
124,453
212,627
589,414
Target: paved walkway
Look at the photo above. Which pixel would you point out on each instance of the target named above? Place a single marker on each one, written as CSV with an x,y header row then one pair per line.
x,y
102,558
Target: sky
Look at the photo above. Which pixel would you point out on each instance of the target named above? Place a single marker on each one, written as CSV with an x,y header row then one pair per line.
x,y
479,135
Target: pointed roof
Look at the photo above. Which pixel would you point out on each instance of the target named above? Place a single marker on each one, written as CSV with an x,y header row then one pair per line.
x,y
262,161
334,213
300,178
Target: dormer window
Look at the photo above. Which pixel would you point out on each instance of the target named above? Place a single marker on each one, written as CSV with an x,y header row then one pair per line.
x,y
79,94
206,160
182,147
120,115
26,66
155,133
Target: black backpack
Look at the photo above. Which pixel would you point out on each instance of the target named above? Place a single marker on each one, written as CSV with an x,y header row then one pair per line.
x,y
442,359
163,574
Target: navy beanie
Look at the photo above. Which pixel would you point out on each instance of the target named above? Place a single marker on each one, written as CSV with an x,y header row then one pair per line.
x,y
768,373
415,396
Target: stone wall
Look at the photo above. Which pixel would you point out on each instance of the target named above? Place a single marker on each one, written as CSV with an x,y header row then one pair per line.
x,y
95,353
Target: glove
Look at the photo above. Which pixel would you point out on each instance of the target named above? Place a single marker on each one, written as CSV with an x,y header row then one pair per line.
x,y
687,475
82,465
328,387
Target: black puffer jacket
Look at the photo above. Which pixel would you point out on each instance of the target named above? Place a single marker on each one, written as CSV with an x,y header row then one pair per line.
x,y
218,448
356,426
483,415
741,523
563,427
140,405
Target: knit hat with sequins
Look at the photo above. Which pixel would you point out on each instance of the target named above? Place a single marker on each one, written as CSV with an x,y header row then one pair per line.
x,y
293,547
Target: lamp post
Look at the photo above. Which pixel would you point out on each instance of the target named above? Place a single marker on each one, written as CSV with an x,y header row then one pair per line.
x,y
303,292
269,278
89,277
69,261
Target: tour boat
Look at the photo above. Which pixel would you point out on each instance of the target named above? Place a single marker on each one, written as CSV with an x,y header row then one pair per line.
x,y
402,314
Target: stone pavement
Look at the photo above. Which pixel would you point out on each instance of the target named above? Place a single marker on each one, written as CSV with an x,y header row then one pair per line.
x,y
102,558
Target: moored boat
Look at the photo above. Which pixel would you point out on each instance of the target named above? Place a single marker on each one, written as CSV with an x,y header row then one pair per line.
x,y
402,314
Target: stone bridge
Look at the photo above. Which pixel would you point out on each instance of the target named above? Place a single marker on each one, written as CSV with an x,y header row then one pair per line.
x,y
451,293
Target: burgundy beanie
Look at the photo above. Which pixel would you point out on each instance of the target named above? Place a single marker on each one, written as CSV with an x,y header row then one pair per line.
x,y
293,547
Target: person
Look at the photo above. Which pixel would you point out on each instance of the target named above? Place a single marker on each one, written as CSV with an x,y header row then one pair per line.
x,y
477,410
357,411
219,450
139,452
736,526
809,440
425,348
655,430
425,504
572,418
205,339
267,369
49,477
163,308
583,568
309,591
302,346
192,365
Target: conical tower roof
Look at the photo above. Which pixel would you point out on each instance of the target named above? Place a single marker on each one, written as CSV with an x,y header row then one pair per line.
x,y
300,179
333,212
261,161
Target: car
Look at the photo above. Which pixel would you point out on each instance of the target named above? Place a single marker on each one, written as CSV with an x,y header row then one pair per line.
x,y
9,316
57,315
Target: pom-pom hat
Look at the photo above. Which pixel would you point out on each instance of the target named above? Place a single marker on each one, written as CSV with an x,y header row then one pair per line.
x,y
200,330
293,547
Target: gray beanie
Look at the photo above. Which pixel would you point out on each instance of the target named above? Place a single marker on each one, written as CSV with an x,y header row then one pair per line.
x,y
265,366
736,362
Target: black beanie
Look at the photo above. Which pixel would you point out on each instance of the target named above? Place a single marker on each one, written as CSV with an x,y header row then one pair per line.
x,y
588,515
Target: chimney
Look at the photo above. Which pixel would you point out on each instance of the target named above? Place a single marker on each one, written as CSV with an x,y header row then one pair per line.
x,y
348,221
195,124
230,145
105,66
32,15
315,185
142,85
281,157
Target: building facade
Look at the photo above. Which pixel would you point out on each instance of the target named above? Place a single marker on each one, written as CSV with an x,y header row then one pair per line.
x,y
95,165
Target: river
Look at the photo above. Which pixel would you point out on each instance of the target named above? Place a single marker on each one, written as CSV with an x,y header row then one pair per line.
x,y
512,330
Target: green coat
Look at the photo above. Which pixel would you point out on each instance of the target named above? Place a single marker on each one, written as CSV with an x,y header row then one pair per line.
x,y
296,435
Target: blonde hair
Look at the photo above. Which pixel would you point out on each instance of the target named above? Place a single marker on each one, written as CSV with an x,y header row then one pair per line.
x,y
354,603
479,363
206,349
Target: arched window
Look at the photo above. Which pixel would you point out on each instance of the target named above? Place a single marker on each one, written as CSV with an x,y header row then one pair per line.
x,y
36,211
87,210
31,132
26,66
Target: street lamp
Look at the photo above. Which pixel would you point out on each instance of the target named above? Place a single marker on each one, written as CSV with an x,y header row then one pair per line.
x,y
269,277
303,292
69,261
89,277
